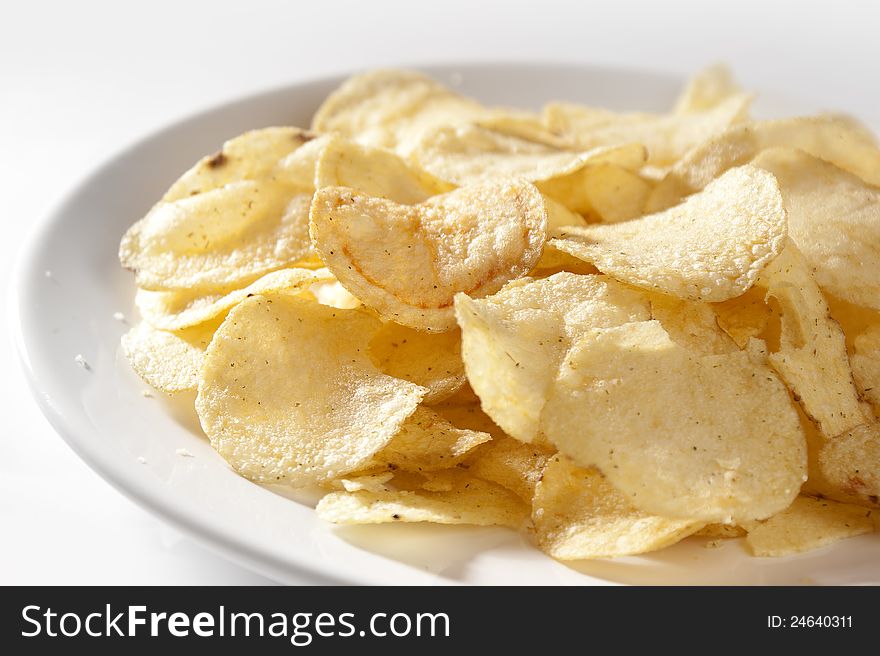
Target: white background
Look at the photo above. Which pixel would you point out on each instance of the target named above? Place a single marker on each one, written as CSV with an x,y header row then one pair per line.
x,y
79,80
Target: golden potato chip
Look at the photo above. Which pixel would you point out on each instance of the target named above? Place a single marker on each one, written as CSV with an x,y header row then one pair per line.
x,y
865,362
510,463
332,293
168,361
745,316
176,310
707,89
721,531
812,356
666,136
691,324
836,139
834,218
408,261
711,247
469,154
250,156
463,410
850,463
428,442
432,360
369,482
463,500
391,108
287,393
514,341
807,524
578,514
709,437
614,194
375,172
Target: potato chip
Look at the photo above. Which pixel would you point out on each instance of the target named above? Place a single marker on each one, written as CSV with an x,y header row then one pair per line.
x,y
812,356
432,360
463,410
836,139
721,531
176,310
613,193
707,89
510,463
250,156
711,247
745,316
513,342
332,293
666,136
369,482
428,442
288,394
408,261
865,362
834,218
807,524
709,437
168,361
391,109
465,500
850,463
375,172
691,324
578,514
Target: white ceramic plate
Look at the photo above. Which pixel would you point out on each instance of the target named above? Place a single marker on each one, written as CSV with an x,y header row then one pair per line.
x,y
106,419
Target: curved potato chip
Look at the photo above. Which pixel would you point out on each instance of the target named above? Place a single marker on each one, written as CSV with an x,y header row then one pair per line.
x,y
711,247
578,514
666,136
391,108
463,500
250,156
707,89
332,293
865,362
176,310
168,361
709,437
432,360
510,463
850,463
408,261
288,395
612,193
375,172
691,324
834,218
807,524
470,153
721,531
836,139
428,442
513,342
745,316
811,358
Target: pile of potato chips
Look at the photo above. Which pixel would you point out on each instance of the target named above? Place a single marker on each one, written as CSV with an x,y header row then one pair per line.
x,y
609,330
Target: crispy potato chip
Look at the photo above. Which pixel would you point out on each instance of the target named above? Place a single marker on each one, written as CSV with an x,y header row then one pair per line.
x,y
432,360
667,136
712,247
510,463
176,310
513,342
462,500
428,442
578,514
807,524
614,194
836,139
710,437
250,156
287,393
721,531
391,108
707,89
371,482
812,356
332,293
834,218
375,172
463,410
168,361
691,324
865,362
408,261
745,316
850,463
